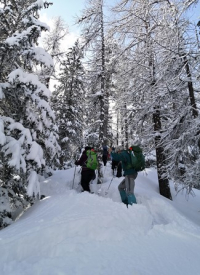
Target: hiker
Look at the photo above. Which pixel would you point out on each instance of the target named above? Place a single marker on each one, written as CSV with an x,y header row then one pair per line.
x,y
116,165
105,155
87,174
126,187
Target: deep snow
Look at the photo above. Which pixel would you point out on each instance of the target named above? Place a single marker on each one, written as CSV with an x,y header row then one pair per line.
x,y
70,233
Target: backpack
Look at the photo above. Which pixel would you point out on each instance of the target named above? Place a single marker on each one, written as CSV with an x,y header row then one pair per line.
x,y
139,163
91,162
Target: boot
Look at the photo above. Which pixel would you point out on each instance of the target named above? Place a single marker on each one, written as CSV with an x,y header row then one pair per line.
x,y
131,199
123,196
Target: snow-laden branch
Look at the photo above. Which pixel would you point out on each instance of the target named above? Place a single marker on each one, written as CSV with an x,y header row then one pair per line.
x,y
40,56
22,77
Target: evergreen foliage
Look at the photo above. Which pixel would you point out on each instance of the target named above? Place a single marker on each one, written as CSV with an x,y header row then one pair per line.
x,y
28,139
68,103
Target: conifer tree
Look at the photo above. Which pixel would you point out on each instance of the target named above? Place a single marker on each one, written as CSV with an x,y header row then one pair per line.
x,y
28,139
68,103
93,34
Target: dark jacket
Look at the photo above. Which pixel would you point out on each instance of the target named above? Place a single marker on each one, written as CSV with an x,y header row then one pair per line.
x,y
105,151
125,158
82,161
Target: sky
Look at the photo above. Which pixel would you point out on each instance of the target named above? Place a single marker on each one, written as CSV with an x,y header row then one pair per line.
x,y
77,233
69,9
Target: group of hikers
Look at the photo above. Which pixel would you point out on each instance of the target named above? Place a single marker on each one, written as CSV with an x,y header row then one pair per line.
x,y
129,161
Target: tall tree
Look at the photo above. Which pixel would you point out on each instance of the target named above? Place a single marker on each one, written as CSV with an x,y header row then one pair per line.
x,y
93,34
68,103
183,133
28,139
52,44
138,26
150,30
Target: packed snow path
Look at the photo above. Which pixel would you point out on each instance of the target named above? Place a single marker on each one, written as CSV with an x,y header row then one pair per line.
x,y
70,233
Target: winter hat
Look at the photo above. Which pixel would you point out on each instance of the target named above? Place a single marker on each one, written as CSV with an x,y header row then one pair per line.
x,y
87,148
118,148
135,148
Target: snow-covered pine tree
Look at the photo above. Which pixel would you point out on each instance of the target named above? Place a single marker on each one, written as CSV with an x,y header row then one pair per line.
x,y
95,44
92,88
27,138
68,102
93,35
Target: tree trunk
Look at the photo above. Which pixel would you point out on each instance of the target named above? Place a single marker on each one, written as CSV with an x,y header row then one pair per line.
x,y
102,97
117,128
102,138
126,126
190,88
160,157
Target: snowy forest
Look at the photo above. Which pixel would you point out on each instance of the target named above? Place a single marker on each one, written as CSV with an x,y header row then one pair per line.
x,y
133,75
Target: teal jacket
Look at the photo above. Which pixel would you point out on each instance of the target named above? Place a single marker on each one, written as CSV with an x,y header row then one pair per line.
x,y
125,158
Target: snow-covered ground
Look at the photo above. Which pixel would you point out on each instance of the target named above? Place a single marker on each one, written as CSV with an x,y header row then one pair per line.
x,y
70,233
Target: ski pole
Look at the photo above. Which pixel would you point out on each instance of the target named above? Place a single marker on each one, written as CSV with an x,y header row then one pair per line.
x,y
74,177
79,170
106,193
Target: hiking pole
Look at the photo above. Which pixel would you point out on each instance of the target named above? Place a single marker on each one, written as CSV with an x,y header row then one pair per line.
x,y
79,170
74,177
106,193
104,170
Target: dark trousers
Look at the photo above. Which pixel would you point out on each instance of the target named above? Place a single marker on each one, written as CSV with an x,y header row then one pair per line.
x,y
104,158
114,164
117,165
119,170
86,177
